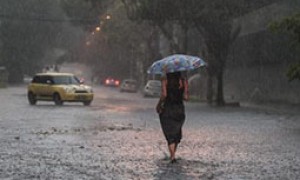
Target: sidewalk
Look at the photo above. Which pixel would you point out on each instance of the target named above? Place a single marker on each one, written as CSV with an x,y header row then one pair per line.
x,y
275,107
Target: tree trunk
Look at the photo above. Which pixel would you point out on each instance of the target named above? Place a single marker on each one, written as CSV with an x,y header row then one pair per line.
x,y
220,94
185,40
209,90
174,46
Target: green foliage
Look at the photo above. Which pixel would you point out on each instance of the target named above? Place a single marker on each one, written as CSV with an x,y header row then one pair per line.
x,y
124,41
188,10
85,13
212,18
290,26
117,47
27,32
294,72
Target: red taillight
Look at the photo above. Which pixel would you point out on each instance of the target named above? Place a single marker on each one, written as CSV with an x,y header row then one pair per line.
x,y
117,82
107,81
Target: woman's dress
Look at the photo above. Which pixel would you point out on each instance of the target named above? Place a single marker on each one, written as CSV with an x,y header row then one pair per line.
x,y
173,115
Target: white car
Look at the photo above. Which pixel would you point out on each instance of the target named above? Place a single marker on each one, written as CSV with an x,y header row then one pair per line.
x,y
129,85
152,88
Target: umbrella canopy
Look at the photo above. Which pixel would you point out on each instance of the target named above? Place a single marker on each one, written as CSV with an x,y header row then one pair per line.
x,y
175,63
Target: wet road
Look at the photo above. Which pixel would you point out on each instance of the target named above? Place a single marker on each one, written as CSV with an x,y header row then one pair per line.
x,y
119,137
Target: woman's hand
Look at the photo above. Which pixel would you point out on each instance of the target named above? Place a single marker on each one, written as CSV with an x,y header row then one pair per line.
x,y
160,105
158,109
186,96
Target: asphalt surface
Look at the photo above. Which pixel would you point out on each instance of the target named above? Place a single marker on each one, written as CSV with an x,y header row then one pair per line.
x,y
119,137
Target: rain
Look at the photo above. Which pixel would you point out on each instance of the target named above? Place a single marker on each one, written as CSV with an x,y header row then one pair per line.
x,y
80,81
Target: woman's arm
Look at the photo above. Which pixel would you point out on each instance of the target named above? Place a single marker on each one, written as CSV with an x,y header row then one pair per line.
x,y
163,88
186,90
163,96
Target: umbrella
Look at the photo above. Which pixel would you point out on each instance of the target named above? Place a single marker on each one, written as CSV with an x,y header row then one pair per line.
x,y
175,63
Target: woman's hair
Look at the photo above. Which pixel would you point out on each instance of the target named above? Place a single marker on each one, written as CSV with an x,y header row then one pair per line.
x,y
176,75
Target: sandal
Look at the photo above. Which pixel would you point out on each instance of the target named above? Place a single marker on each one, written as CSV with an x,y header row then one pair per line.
x,y
173,161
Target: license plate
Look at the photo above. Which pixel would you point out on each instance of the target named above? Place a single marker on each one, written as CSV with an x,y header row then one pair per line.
x,y
79,97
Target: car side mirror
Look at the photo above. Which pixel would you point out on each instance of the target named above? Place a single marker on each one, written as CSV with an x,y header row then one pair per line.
x,y
81,81
49,82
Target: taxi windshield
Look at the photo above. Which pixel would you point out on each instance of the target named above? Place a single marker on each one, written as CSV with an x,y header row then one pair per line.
x,y
65,80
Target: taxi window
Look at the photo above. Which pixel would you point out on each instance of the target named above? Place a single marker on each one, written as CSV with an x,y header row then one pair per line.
x,y
41,79
36,79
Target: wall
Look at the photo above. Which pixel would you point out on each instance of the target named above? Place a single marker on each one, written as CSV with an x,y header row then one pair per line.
x,y
258,61
256,69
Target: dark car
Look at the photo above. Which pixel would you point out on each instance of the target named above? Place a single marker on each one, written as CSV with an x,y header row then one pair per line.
x,y
129,85
112,82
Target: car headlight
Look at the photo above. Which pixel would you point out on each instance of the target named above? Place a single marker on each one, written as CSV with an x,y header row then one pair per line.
x,y
88,89
69,90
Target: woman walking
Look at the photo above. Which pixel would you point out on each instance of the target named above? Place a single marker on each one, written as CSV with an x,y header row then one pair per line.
x,y
171,109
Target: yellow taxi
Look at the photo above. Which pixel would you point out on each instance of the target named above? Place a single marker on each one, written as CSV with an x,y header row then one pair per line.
x,y
60,88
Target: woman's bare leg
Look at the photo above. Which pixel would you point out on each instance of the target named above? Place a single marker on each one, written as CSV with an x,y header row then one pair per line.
x,y
172,149
176,145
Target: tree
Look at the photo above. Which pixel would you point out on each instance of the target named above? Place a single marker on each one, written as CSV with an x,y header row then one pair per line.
x,y
87,13
28,30
165,15
294,72
136,43
212,18
290,26
118,48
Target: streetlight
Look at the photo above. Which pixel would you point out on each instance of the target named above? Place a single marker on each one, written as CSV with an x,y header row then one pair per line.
x,y
98,28
108,17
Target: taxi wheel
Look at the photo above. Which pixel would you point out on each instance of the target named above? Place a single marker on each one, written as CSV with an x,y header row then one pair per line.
x,y
31,98
57,99
87,103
